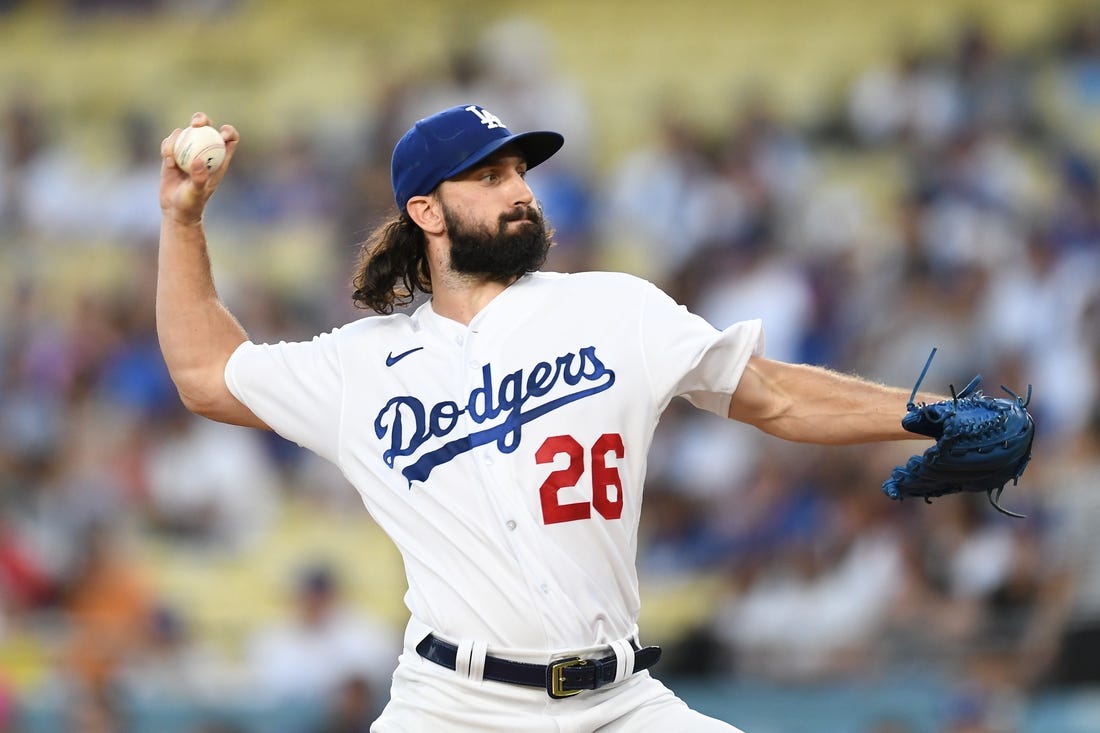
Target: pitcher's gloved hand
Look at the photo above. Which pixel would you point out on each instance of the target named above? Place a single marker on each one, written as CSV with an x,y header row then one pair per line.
x,y
982,443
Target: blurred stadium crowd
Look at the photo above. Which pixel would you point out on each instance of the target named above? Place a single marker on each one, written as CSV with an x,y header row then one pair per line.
x,y
951,199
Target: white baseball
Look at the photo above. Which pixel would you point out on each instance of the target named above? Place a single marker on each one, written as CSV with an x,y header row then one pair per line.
x,y
200,142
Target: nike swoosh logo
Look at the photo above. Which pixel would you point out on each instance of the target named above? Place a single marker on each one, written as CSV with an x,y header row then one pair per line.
x,y
391,359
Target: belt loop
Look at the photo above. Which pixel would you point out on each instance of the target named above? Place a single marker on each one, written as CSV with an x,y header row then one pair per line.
x,y
478,652
463,657
470,659
624,659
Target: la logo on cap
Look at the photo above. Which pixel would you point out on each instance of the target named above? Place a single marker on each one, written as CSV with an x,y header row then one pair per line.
x,y
490,120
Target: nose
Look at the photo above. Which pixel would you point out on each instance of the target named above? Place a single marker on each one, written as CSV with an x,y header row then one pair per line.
x,y
520,192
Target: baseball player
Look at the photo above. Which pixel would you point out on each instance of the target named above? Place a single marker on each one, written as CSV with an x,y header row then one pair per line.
x,y
498,434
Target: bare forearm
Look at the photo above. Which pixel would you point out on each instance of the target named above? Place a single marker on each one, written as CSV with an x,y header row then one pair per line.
x,y
814,405
197,333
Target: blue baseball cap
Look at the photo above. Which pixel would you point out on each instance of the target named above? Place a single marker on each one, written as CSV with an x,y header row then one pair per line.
x,y
442,146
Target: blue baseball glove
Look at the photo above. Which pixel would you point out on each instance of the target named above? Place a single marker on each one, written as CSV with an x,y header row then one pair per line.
x,y
982,443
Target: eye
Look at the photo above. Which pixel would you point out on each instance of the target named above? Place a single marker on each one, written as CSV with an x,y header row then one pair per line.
x,y
489,176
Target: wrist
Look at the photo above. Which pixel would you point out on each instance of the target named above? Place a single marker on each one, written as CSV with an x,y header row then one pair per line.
x,y
181,219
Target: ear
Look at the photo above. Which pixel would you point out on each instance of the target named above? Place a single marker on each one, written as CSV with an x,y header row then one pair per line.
x,y
426,213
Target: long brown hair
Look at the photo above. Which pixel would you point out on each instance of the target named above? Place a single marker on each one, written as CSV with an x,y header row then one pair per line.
x,y
392,266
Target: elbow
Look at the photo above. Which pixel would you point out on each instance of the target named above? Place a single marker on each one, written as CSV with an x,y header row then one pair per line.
x,y
776,416
196,400
213,401
760,400
222,408
765,400
201,390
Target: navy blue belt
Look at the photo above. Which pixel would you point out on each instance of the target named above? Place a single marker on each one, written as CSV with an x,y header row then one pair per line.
x,y
561,678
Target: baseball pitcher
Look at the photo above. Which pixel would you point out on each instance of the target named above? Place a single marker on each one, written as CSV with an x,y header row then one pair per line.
x,y
498,433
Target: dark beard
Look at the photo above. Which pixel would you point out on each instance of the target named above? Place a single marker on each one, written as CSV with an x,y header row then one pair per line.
x,y
499,256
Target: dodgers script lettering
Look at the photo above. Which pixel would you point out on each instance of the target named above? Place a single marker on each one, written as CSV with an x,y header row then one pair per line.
x,y
407,423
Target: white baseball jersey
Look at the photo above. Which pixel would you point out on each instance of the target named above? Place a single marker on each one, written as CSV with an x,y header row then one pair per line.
x,y
505,458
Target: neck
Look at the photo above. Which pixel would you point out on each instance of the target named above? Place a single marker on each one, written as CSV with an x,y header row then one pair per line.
x,y
461,297
456,295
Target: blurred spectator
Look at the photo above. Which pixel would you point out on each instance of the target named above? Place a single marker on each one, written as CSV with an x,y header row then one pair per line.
x,y
676,538
109,603
54,182
977,584
655,211
1044,330
773,509
700,454
912,97
987,697
322,484
816,612
1074,102
175,667
324,643
290,189
965,223
34,378
995,86
129,212
1068,636
21,142
752,281
767,152
929,308
351,708
211,486
132,376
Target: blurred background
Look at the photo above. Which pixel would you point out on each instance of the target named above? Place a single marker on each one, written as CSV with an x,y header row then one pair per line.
x,y
871,179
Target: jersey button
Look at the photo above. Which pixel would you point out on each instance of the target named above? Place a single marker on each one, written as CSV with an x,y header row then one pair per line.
x,y
511,525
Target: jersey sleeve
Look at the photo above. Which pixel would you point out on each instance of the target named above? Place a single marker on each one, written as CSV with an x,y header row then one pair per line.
x,y
687,357
296,388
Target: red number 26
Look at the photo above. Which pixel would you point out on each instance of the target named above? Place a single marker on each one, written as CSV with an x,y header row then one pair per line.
x,y
607,486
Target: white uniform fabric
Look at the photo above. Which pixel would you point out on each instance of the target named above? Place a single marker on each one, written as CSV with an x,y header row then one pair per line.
x,y
427,697
505,458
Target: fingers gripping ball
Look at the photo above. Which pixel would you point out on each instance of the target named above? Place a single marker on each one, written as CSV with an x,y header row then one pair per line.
x,y
982,443
204,143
